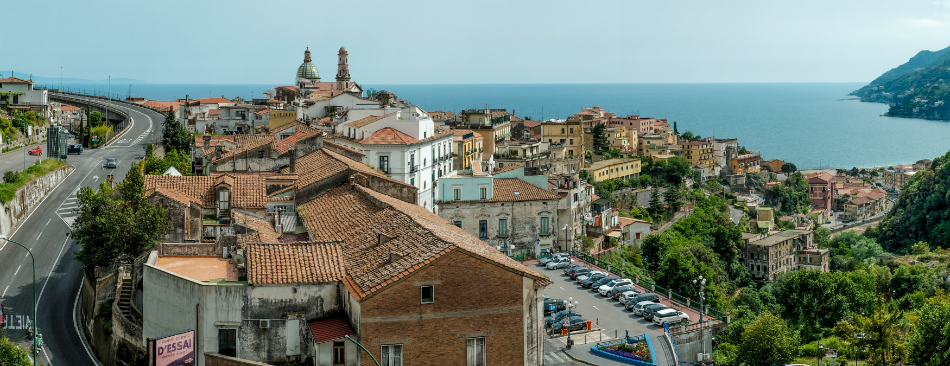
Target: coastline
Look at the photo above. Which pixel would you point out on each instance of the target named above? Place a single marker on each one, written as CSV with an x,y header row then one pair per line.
x,y
835,170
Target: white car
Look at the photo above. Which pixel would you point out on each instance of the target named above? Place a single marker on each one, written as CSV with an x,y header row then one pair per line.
x,y
671,317
627,295
553,257
583,278
603,290
560,263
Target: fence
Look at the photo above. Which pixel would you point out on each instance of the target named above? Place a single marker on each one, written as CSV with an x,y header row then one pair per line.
x,y
648,282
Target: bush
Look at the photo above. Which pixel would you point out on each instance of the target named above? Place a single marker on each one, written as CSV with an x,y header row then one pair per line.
x,y
11,176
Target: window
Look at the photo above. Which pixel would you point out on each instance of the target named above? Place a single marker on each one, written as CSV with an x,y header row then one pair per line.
x,y
572,130
575,197
545,228
384,164
483,193
412,160
227,342
482,229
457,223
339,353
224,197
638,236
428,295
392,355
412,181
457,194
476,351
502,227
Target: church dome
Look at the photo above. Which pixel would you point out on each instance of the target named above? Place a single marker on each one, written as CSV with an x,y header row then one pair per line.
x,y
308,70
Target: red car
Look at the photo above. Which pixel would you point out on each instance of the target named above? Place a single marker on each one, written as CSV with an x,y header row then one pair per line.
x,y
3,318
36,151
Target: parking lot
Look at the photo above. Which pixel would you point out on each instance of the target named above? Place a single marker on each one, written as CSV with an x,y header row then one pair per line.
x,y
607,314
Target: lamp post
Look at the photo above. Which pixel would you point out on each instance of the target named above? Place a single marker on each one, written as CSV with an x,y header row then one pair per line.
x,y
820,351
702,296
33,261
565,236
571,303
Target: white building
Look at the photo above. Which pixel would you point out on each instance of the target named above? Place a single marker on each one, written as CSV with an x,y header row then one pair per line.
x,y
19,94
404,143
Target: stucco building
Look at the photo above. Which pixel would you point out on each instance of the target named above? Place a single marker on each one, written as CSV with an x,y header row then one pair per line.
x,y
624,168
570,133
785,251
821,190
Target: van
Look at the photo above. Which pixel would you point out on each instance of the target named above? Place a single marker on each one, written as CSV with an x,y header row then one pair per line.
x,y
74,149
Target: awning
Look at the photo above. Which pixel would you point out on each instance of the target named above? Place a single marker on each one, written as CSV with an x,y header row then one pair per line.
x,y
615,234
328,329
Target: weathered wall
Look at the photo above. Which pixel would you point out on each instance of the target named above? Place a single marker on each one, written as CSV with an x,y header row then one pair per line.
x,y
524,220
214,359
279,304
13,213
690,343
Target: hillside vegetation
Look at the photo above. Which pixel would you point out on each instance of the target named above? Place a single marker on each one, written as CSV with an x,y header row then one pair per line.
x,y
917,89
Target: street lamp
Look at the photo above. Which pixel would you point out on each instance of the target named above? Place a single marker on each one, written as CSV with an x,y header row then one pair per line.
x,y
820,352
565,237
571,303
33,261
702,296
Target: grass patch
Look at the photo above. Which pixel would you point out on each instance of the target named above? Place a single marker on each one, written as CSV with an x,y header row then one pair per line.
x,y
8,189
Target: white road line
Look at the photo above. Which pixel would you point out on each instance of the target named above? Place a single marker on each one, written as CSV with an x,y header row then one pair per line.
x,y
47,222
17,270
4,244
76,326
595,307
41,233
58,257
5,292
48,363
562,289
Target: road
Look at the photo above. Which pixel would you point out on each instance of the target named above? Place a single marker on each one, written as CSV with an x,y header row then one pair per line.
x,y
58,274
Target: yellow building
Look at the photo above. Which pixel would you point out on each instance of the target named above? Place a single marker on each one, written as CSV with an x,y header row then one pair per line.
x,y
748,163
652,144
698,152
614,169
466,147
568,132
277,118
617,138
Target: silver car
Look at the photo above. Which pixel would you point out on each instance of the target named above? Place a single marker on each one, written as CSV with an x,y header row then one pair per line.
x,y
583,278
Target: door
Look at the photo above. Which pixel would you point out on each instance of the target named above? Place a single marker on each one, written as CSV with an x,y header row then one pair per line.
x,y
293,337
224,200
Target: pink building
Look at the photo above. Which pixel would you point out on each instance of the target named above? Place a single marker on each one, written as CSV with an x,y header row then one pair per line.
x,y
821,190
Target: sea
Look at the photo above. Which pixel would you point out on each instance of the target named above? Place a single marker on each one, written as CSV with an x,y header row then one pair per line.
x,y
813,125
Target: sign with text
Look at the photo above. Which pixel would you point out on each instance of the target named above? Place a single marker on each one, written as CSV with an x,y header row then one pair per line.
x,y
176,350
831,353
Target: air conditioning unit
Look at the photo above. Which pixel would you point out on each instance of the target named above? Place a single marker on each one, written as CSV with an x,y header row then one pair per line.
x,y
264,323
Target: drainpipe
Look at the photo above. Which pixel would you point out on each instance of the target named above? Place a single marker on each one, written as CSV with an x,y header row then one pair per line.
x,y
364,349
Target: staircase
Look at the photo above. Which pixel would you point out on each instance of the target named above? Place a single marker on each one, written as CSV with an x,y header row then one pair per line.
x,y
125,297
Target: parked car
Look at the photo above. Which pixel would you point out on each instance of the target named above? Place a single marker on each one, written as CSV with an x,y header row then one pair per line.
x,y
561,263
619,289
671,318
649,310
36,151
660,313
558,306
603,281
590,277
74,149
574,322
558,316
579,272
544,261
649,296
637,307
609,286
627,295
571,267
111,163
3,316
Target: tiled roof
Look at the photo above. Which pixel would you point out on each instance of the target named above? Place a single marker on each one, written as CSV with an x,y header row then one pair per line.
x,y
328,329
324,163
216,100
388,239
262,111
366,121
246,191
14,80
261,225
175,195
291,263
214,112
301,133
69,108
624,221
507,167
388,136
516,190
247,142
530,124
822,176
162,105
457,135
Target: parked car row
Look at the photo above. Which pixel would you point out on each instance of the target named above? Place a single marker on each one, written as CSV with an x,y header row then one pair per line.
x,y
623,290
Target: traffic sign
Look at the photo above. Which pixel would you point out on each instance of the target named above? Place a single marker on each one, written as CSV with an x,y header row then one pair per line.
x,y
831,353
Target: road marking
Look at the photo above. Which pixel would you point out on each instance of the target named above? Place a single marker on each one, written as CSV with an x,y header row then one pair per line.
x,y
76,326
4,244
47,222
562,289
41,233
58,257
595,307
5,292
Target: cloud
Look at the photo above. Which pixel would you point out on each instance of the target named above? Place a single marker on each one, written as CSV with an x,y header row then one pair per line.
x,y
924,22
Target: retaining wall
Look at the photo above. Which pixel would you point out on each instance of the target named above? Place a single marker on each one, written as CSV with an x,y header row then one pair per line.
x,y
14,212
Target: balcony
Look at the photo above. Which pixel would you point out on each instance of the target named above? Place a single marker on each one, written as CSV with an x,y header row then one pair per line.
x,y
413,168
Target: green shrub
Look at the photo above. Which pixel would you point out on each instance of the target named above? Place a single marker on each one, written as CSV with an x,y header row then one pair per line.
x,y
11,176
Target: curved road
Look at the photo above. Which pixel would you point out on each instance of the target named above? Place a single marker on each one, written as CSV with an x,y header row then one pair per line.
x,y
58,274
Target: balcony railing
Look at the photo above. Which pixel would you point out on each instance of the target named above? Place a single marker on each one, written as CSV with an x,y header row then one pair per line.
x,y
413,168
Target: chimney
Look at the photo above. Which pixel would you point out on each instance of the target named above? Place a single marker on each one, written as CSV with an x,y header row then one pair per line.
x,y
207,140
293,160
352,180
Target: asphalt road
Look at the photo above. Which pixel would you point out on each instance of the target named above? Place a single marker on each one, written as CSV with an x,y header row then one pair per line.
x,y
58,274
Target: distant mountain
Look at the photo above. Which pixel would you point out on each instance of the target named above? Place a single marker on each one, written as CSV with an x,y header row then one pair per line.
x,y
917,89
54,81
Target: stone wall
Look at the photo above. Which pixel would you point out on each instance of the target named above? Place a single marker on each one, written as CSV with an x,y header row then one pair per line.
x,y
214,359
13,213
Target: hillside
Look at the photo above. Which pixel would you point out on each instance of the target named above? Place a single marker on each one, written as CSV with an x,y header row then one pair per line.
x,y
921,214
916,89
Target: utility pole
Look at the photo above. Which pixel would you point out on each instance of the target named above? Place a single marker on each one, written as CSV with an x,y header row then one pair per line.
x,y
702,327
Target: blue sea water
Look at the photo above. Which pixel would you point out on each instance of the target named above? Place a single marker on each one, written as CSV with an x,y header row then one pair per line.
x,y
813,125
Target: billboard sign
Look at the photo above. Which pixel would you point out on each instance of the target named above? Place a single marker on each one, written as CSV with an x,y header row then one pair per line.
x,y
176,350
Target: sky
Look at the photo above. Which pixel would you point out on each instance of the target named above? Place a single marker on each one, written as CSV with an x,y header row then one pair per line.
x,y
473,41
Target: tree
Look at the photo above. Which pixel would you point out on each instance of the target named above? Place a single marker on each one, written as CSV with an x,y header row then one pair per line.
x,y
584,175
12,355
672,199
114,222
600,137
883,335
95,119
676,169
655,207
789,168
929,343
676,131
768,341
689,136
174,135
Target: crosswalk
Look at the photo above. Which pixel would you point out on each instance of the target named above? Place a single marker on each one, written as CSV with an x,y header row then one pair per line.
x,y
68,210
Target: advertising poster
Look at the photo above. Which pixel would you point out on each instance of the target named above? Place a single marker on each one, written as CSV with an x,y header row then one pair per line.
x,y
176,350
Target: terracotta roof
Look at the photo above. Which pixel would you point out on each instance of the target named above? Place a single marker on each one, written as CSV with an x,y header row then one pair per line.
x,y
246,190
457,135
860,200
507,168
294,88
822,176
389,136
530,124
162,105
328,329
624,221
262,111
175,195
247,142
261,225
214,112
291,263
216,100
69,108
301,133
14,80
366,121
516,190
324,163
387,239
295,238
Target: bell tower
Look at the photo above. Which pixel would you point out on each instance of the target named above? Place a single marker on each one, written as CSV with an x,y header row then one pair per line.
x,y
343,70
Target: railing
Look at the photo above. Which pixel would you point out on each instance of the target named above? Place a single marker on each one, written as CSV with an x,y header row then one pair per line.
x,y
413,168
